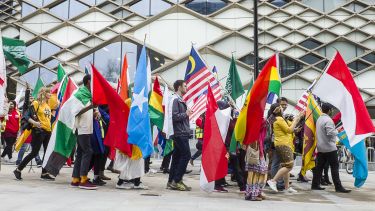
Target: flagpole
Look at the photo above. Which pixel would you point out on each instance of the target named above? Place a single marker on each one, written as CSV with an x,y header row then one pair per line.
x,y
256,55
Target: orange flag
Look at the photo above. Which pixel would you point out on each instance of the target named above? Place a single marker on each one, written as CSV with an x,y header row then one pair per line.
x,y
123,83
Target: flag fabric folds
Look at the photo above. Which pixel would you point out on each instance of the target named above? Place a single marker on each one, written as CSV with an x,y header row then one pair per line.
x,y
344,95
139,126
63,139
309,141
14,51
124,80
274,84
234,85
3,81
360,166
39,84
104,94
248,124
214,162
156,107
167,104
60,73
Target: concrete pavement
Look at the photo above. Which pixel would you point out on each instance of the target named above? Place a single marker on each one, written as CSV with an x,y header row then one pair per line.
x,y
33,194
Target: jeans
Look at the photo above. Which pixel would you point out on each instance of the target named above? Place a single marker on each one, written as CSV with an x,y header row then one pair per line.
x,y
40,137
237,171
22,152
332,159
180,159
84,155
9,142
275,168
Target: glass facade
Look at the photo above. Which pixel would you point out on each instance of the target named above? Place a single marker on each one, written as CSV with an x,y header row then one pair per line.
x,y
206,7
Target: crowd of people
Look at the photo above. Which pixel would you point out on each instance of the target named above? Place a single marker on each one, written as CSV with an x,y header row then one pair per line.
x,y
268,161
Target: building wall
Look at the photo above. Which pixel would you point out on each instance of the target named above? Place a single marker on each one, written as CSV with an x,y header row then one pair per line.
x,y
306,33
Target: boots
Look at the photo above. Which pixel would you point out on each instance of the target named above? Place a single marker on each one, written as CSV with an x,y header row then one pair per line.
x,y
102,176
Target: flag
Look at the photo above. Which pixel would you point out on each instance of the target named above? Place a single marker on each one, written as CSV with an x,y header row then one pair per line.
x,y
139,126
63,139
104,94
39,84
214,162
360,166
302,102
168,104
65,90
155,106
60,73
249,121
124,80
14,51
344,95
196,77
87,71
309,138
234,85
274,84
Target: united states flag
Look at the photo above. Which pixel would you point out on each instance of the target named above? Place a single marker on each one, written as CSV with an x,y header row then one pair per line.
x,y
302,102
197,78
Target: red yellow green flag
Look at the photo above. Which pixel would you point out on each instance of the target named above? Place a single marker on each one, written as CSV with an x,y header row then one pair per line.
x,y
309,140
155,106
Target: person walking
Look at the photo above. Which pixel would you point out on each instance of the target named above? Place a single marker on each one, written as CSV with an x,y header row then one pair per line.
x,y
12,127
326,135
181,154
283,132
84,125
40,118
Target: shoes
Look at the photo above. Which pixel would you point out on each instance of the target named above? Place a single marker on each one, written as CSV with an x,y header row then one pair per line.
x,y
103,177
39,164
242,190
301,178
180,186
328,182
291,190
47,177
17,174
343,190
226,184
125,186
324,183
166,171
192,162
272,185
186,187
220,190
87,185
317,188
171,185
140,187
188,171
291,175
74,184
98,181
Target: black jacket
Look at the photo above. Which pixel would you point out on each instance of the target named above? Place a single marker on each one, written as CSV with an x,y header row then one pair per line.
x,y
180,119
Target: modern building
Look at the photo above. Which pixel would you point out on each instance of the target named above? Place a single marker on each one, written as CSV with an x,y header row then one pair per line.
x,y
305,33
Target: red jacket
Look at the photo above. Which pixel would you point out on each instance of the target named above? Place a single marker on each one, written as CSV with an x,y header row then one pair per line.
x,y
13,123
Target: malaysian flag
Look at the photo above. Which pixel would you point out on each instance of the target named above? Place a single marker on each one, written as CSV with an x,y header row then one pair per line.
x,y
197,76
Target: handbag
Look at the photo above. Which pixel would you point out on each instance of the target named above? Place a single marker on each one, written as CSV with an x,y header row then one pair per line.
x,y
252,155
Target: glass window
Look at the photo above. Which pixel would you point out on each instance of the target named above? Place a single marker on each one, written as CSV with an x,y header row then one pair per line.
x,y
288,66
322,65
86,61
310,43
37,3
324,5
358,65
46,2
121,13
149,7
33,51
76,8
52,63
48,49
27,9
61,10
31,77
108,61
279,3
206,7
248,59
47,76
370,57
311,58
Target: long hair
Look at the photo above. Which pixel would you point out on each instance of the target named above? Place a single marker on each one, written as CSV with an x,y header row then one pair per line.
x,y
42,94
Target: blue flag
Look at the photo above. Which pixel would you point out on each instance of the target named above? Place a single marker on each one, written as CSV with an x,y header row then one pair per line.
x,y
139,126
360,167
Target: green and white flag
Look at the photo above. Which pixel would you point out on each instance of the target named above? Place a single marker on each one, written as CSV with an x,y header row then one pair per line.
x,y
14,51
234,85
63,139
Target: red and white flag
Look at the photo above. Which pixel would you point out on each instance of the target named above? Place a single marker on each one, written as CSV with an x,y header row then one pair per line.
x,y
337,87
214,162
3,80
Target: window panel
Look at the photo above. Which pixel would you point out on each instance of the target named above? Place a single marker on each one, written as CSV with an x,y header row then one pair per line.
x,y
206,7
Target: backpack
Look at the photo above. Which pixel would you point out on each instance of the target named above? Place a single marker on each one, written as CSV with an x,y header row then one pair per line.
x,y
269,139
29,113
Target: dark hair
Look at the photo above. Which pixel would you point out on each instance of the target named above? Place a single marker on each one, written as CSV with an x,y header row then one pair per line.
x,y
272,109
177,84
282,99
14,103
326,107
86,79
